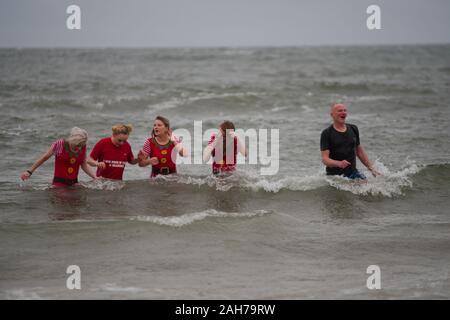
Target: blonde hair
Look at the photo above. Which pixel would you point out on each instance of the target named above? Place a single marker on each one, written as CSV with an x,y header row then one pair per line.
x,y
122,129
77,136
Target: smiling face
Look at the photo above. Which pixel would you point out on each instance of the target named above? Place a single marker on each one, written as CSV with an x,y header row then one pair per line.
x,y
159,128
339,113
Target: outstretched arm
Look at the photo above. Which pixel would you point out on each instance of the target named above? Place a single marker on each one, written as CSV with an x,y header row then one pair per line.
x,y
26,174
362,155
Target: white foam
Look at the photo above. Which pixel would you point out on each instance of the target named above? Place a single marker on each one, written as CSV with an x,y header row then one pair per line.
x,y
112,287
22,294
185,219
103,184
292,183
176,102
387,184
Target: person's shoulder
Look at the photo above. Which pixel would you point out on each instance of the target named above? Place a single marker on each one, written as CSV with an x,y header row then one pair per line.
x,y
148,142
58,144
103,142
127,145
327,129
353,126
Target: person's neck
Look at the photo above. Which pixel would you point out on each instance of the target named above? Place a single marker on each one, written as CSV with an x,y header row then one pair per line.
x,y
162,140
113,142
341,127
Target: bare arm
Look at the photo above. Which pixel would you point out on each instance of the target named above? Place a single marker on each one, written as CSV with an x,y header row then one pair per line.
x,y
88,170
362,155
207,153
134,161
95,163
182,151
144,160
326,160
26,175
241,148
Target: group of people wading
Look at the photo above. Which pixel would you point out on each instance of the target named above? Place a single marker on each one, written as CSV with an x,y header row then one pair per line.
x,y
111,154
339,143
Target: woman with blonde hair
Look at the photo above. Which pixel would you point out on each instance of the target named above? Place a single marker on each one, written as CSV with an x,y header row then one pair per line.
x,y
70,155
111,154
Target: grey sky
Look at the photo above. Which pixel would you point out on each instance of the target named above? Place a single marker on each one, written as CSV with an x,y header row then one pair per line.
x,y
168,23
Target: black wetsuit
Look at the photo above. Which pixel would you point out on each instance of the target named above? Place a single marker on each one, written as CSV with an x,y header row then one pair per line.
x,y
342,146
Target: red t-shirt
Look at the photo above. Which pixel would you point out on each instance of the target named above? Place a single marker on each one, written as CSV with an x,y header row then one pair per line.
x,y
115,158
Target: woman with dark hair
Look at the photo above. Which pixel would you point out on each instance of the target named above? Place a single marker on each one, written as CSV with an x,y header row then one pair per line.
x,y
161,149
70,155
224,148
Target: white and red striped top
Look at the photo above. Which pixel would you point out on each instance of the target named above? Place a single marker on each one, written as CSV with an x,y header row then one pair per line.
x,y
58,147
147,148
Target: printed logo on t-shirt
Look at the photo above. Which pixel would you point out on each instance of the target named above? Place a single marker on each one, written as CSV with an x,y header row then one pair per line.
x,y
115,163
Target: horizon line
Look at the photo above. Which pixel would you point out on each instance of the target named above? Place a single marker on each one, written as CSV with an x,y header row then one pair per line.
x,y
233,46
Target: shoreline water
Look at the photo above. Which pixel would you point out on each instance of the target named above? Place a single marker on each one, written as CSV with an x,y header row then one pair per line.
x,y
299,234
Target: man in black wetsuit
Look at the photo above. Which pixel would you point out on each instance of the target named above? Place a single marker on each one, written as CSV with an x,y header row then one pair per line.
x,y
339,144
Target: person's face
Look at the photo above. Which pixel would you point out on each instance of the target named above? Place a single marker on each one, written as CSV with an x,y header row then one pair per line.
x,y
159,128
339,113
119,139
77,146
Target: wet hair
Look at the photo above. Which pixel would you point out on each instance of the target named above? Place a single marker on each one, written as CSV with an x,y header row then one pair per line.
x,y
225,126
122,129
77,136
164,120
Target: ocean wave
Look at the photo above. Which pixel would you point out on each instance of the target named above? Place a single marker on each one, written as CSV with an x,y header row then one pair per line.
x,y
347,86
103,184
185,219
183,100
17,131
112,287
388,184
